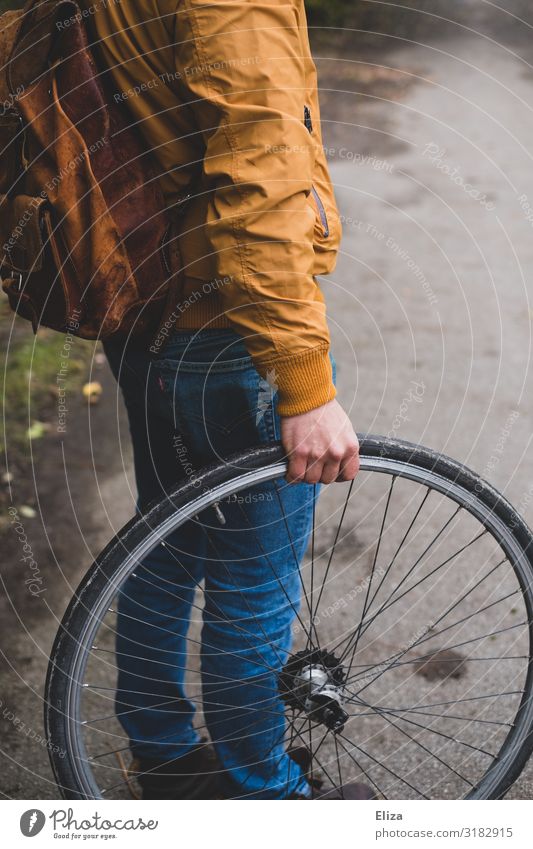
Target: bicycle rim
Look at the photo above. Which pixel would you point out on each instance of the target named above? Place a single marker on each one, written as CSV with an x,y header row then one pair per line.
x,y
452,724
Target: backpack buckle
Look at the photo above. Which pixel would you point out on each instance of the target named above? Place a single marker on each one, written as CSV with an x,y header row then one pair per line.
x,y
13,276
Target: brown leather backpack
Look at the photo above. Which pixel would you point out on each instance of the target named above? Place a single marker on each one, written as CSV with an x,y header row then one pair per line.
x,y
86,243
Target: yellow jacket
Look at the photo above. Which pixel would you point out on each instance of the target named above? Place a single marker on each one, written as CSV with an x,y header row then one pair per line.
x,y
225,95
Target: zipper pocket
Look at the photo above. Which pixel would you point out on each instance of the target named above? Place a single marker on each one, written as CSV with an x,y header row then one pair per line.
x,y
321,211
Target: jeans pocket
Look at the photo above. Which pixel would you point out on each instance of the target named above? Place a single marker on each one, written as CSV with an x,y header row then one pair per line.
x,y
205,352
219,412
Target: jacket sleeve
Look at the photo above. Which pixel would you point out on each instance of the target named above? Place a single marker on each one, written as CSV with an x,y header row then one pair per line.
x,y
243,72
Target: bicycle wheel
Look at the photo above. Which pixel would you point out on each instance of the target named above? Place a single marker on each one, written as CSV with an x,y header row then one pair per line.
x,y
410,666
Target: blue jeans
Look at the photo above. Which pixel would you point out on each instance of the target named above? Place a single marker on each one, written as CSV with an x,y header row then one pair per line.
x,y
200,400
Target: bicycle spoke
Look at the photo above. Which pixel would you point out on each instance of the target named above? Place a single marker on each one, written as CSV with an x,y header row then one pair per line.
x,y
400,546
297,562
419,658
425,639
312,619
467,719
413,567
461,701
341,781
424,748
375,560
148,771
395,599
360,767
271,567
442,734
443,721
339,526
449,648
95,648
220,617
382,765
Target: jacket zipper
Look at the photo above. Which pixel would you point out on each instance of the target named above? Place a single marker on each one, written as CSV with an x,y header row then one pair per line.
x,y
321,211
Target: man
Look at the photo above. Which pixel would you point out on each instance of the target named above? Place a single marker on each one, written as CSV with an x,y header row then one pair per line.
x,y
225,96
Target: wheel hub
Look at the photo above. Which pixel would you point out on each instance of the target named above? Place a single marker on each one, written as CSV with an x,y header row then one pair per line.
x,y
312,681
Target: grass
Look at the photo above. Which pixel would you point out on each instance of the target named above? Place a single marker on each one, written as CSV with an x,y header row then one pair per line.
x,y
30,388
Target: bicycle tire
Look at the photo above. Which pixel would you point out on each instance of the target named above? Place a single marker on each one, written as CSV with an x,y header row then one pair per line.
x,y
457,482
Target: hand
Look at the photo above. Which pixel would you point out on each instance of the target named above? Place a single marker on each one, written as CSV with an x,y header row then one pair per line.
x,y
321,445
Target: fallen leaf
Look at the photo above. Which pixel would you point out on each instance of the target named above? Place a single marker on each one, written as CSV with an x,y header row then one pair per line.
x,y
92,391
37,430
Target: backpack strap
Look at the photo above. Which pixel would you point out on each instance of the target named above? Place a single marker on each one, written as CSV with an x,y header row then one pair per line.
x,y
9,26
36,40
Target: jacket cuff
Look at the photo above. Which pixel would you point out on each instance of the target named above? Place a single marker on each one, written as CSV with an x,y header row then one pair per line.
x,y
303,381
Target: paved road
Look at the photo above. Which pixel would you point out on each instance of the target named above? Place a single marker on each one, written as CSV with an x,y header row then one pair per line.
x,y
432,295
435,184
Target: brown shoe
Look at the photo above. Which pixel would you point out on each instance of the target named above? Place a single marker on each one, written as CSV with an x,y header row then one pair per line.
x,y
195,775
352,791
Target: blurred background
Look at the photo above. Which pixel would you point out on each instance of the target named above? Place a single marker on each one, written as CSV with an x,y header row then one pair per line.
x,y
427,112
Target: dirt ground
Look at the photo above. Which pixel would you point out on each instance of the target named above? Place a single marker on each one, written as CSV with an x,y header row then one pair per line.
x,y
429,143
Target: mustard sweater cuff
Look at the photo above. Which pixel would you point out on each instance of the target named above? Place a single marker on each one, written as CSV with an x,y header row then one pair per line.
x,y
303,381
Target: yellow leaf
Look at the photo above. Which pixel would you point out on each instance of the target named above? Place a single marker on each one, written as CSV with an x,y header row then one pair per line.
x,y
92,391
37,430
